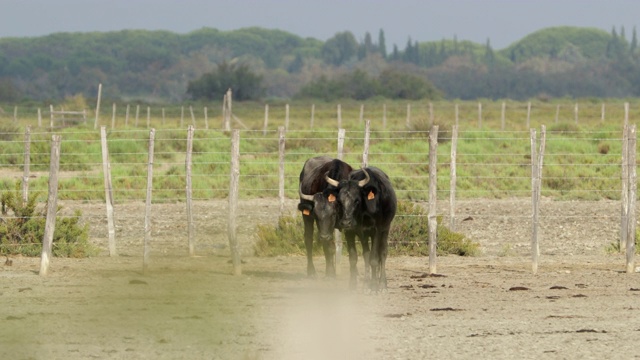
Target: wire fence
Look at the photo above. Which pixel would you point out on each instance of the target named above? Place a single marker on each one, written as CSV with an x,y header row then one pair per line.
x,y
579,165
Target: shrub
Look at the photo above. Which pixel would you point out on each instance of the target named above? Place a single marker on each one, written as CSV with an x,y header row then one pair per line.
x,y
409,235
285,238
23,231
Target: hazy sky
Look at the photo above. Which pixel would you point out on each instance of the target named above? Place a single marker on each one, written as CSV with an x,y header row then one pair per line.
x,y
500,21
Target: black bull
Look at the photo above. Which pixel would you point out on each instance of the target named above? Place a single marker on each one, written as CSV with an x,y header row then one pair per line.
x,y
318,203
369,205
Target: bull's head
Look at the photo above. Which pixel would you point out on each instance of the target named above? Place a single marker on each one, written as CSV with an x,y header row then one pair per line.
x,y
325,211
350,196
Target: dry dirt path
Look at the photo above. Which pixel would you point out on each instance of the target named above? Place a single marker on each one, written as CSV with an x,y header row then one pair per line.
x,y
580,304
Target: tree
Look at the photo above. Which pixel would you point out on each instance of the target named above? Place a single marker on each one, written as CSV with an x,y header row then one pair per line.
x,y
341,48
382,46
213,85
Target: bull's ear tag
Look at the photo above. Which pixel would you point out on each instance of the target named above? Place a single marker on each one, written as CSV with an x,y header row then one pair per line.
x,y
371,195
306,212
331,198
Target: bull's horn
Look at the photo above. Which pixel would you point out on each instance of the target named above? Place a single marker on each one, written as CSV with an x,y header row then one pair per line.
x,y
366,179
304,196
330,181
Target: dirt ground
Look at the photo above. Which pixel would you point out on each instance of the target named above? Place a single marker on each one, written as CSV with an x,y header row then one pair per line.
x,y
580,304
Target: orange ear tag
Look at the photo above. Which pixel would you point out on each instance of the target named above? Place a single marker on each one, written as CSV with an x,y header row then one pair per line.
x,y
331,198
371,195
306,212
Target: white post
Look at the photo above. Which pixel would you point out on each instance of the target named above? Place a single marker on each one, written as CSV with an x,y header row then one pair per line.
x,y
108,191
95,124
189,190
52,206
432,218
147,208
233,202
281,148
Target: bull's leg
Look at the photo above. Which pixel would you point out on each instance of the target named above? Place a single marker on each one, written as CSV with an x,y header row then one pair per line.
x,y
308,243
330,257
374,260
364,240
353,259
383,258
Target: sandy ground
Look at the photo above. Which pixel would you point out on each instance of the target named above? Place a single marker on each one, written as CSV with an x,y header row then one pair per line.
x,y
580,304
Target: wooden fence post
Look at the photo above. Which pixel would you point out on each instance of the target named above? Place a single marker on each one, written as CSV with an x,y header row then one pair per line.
x,y
233,202
206,118
27,162
337,234
137,115
633,185
148,116
557,113
181,117
575,113
108,191
189,190
313,112
52,206
529,115
147,208
367,136
624,196
408,123
113,115
281,148
39,118
163,117
361,114
95,124
339,116
536,174
433,187
479,115
266,120
453,179
126,116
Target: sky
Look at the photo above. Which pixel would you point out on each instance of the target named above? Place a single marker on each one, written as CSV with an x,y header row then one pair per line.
x,y
502,22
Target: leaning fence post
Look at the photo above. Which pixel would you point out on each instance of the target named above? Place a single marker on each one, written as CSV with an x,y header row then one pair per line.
x,y
147,208
108,191
95,124
189,190
233,201
52,206
633,185
432,219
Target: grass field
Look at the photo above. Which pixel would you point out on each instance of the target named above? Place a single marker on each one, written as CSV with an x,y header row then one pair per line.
x,y
582,158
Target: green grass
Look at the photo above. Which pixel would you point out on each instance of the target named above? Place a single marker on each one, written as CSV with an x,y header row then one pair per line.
x,y
582,161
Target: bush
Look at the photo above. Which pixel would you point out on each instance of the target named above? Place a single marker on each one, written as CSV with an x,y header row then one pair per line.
x,y
23,231
409,235
286,238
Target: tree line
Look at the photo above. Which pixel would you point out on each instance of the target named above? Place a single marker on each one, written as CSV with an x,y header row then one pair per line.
x,y
261,63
